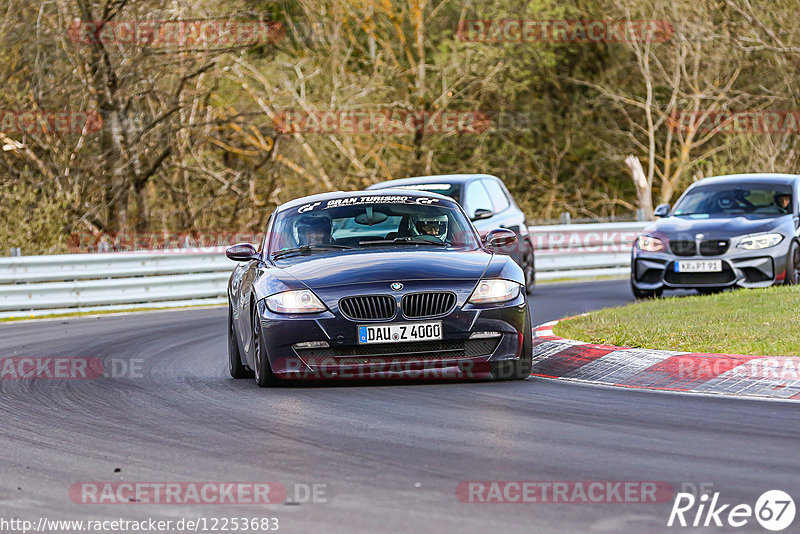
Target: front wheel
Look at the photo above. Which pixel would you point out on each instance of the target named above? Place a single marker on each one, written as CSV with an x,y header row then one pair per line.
x,y
530,272
517,369
641,294
793,265
263,370
235,366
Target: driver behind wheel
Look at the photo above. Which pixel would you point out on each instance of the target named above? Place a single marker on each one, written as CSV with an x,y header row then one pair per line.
x,y
311,231
432,226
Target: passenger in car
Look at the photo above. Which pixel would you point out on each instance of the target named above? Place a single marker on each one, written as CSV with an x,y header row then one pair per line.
x,y
784,202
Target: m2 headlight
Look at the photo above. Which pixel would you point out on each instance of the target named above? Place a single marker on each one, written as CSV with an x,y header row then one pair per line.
x,y
649,244
299,301
759,241
493,291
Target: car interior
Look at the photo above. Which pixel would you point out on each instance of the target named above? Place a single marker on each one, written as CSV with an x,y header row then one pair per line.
x,y
735,202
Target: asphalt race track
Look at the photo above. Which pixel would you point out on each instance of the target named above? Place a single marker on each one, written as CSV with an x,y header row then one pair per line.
x,y
389,457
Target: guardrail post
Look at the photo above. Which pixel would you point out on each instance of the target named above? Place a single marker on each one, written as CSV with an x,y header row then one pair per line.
x,y
565,217
640,215
15,252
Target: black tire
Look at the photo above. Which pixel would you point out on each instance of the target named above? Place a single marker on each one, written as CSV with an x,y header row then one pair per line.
x,y
642,294
530,271
793,265
263,371
517,369
235,365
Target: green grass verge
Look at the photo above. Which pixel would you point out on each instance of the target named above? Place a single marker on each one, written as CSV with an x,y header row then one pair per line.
x,y
101,312
748,321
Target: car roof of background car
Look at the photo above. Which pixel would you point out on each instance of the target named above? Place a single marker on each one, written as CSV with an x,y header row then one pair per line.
x,y
765,178
440,178
322,197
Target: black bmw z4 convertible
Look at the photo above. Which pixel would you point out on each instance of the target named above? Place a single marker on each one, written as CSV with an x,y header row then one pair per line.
x,y
389,284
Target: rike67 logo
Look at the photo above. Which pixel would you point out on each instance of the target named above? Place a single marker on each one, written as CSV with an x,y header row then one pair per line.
x,y
774,510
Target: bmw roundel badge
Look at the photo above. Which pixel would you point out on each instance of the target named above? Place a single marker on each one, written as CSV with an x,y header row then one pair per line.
x,y
397,286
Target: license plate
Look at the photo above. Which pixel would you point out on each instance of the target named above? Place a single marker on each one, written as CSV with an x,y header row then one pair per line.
x,y
397,333
698,266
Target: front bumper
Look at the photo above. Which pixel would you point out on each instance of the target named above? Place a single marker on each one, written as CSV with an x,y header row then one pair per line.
x,y
740,268
455,355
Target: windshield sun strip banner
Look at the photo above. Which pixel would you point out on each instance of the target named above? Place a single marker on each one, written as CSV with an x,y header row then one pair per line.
x,y
371,199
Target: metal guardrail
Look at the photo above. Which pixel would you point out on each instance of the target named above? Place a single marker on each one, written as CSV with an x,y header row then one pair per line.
x,y
584,250
42,285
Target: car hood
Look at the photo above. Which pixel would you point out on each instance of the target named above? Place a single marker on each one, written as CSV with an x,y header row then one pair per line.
x,y
713,227
362,267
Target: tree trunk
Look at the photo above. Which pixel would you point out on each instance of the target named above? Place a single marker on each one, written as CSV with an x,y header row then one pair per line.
x,y
644,196
142,208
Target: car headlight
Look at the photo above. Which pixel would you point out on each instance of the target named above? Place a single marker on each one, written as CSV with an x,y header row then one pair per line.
x,y
757,242
492,291
649,244
299,301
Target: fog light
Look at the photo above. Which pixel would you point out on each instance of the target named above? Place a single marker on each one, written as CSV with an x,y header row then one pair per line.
x,y
484,335
311,345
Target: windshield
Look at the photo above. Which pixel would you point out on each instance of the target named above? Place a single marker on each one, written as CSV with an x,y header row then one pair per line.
x,y
449,190
737,199
370,221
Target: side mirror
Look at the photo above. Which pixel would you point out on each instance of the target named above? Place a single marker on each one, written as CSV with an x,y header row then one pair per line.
x,y
481,214
496,240
662,210
241,252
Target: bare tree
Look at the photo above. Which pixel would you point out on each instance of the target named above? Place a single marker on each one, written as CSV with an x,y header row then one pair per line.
x,y
696,72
